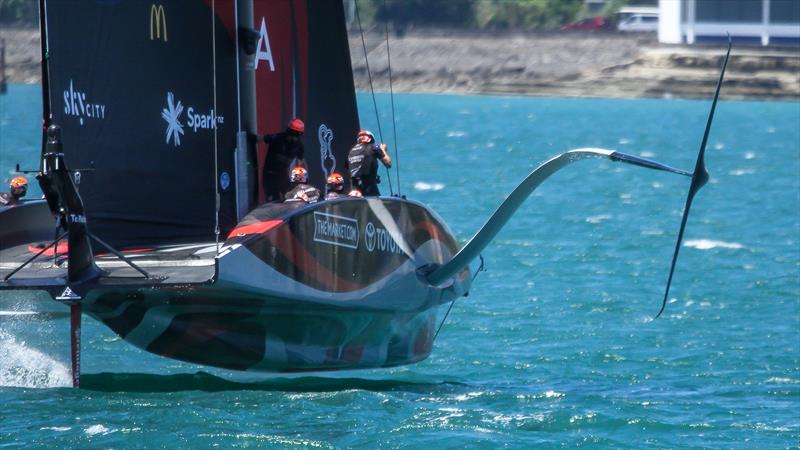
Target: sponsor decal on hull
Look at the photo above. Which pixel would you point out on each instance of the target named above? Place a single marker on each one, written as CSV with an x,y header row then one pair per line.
x,y
335,230
378,239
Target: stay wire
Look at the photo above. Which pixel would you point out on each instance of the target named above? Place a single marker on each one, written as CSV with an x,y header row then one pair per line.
x,y
214,118
372,90
481,268
391,96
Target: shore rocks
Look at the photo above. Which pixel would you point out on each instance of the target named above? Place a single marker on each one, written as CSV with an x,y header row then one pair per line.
x,y
573,64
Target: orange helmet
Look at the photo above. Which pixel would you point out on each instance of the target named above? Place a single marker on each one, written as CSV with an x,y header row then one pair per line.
x,y
335,182
355,193
19,186
298,175
365,137
297,126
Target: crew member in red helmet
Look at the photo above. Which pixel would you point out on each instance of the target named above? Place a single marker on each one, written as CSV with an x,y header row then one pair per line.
x,y
17,189
282,150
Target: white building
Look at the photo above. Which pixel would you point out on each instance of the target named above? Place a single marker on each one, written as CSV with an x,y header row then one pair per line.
x,y
764,21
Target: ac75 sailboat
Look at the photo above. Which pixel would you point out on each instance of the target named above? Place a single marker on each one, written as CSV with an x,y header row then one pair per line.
x,y
152,222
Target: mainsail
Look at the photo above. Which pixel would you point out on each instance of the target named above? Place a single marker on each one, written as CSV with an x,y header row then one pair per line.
x,y
148,98
303,70
145,94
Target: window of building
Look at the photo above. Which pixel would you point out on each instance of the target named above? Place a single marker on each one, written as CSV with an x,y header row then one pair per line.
x,y
729,10
784,11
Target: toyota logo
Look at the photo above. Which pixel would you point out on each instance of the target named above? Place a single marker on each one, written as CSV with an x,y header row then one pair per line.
x,y
369,232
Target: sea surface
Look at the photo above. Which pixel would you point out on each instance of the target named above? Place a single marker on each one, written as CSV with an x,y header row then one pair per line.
x,y
555,347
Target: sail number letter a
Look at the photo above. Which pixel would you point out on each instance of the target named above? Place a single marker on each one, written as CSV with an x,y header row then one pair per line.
x,y
263,42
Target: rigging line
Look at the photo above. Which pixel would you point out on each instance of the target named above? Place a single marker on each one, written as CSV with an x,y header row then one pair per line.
x,y
214,118
372,90
481,268
391,96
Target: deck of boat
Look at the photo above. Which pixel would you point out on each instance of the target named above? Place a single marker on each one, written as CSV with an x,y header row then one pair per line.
x,y
170,265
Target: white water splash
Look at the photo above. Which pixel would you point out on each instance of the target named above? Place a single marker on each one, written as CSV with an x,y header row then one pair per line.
x,y
456,133
598,218
708,244
624,141
553,394
423,186
783,380
98,429
23,366
646,154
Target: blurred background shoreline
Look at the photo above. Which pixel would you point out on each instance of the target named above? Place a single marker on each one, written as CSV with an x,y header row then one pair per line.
x,y
560,63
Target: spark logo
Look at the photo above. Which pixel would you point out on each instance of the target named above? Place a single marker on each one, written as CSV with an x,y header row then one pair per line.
x,y
172,114
195,121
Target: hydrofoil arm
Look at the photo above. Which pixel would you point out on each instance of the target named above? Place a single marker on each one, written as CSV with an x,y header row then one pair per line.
x,y
496,222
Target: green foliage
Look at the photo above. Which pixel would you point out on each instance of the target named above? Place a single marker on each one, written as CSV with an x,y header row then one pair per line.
x,y
427,12
493,14
367,9
526,13
612,7
24,12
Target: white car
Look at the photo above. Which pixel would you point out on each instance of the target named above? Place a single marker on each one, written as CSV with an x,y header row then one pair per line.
x,y
639,22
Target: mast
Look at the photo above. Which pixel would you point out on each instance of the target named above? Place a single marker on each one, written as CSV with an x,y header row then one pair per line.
x,y
246,162
45,73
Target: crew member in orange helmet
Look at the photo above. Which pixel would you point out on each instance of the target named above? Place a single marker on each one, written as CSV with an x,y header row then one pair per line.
x,y
335,185
282,150
17,189
300,190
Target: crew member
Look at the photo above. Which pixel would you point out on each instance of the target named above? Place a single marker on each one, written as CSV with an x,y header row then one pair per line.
x,y
354,193
335,184
362,161
17,189
300,190
283,148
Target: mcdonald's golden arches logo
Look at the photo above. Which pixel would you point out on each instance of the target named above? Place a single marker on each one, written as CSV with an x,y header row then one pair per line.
x,y
158,22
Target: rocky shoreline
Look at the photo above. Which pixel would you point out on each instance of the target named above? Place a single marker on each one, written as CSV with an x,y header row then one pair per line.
x,y
548,64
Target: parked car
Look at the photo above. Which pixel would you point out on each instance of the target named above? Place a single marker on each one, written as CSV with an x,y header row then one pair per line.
x,y
591,23
639,22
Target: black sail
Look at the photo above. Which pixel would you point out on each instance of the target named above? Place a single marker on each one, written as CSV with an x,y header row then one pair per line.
x,y
132,85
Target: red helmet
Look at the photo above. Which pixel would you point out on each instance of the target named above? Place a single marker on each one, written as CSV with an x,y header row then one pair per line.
x,y
335,182
365,137
297,126
298,175
18,186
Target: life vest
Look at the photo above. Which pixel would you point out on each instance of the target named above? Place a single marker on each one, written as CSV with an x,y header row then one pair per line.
x,y
363,162
303,192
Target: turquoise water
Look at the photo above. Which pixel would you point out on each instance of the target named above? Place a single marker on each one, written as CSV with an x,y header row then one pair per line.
x,y
555,346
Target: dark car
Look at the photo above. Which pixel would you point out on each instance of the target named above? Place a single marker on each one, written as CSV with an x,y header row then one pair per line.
x,y
591,23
